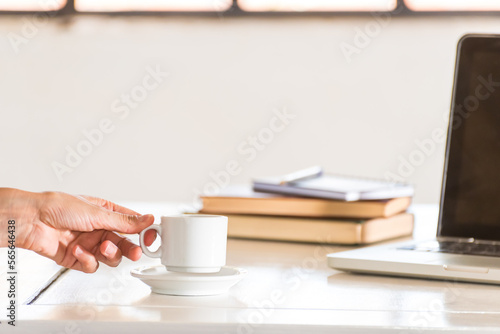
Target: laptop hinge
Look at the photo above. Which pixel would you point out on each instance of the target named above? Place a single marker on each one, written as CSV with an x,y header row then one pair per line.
x,y
468,240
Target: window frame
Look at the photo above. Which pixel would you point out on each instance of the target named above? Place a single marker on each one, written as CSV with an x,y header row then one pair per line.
x,y
235,11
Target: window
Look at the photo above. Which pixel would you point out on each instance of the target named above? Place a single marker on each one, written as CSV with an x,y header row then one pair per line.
x,y
453,5
32,5
316,5
250,7
152,5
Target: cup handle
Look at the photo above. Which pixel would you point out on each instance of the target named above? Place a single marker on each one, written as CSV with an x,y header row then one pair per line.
x,y
156,253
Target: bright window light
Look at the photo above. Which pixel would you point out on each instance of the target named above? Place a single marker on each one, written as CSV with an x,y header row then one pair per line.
x,y
32,5
453,5
151,5
316,5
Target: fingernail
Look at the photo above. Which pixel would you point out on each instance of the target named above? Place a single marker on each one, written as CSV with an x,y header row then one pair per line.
x,y
78,251
110,250
144,218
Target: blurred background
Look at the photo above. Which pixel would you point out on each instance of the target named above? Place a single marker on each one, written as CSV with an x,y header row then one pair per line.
x,y
165,99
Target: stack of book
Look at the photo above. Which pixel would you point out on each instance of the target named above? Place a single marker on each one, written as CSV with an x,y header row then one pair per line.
x,y
259,215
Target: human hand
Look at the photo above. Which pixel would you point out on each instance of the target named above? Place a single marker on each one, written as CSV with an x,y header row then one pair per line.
x,y
76,232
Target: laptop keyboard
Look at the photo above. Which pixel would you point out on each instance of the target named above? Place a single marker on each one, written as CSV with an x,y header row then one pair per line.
x,y
469,248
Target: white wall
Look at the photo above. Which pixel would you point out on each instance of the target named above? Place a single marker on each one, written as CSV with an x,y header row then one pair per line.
x,y
226,76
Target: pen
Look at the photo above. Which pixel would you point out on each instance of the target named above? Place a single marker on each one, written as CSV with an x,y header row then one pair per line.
x,y
301,175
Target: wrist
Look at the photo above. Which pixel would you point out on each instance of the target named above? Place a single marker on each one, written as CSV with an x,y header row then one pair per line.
x,y
20,208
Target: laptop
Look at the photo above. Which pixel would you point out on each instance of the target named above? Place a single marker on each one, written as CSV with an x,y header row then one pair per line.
x,y
467,245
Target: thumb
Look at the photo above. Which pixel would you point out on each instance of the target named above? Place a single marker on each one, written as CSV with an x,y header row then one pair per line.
x,y
120,222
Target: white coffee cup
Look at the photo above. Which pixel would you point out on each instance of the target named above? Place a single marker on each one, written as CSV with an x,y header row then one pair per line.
x,y
190,243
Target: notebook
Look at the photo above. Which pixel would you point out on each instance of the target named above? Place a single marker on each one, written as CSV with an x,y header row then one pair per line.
x,y
333,186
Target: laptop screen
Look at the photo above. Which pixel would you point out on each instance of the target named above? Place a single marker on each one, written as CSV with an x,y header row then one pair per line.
x,y
470,202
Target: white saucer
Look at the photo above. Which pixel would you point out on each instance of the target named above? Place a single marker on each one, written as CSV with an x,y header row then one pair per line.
x,y
188,284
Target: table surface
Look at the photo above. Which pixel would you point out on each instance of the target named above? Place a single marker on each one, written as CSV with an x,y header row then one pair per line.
x,y
288,287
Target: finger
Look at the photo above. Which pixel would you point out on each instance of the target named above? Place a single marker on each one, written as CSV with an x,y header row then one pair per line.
x,y
135,253
75,213
86,261
119,222
126,247
109,254
110,205
149,237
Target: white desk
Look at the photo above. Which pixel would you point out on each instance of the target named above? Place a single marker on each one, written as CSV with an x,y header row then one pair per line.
x,y
289,288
